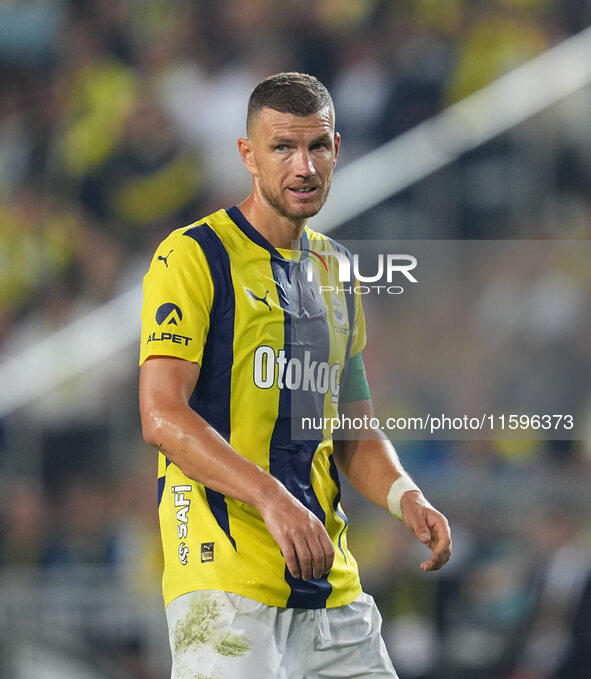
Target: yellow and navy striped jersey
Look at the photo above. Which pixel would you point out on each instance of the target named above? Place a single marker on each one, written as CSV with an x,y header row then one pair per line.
x,y
272,332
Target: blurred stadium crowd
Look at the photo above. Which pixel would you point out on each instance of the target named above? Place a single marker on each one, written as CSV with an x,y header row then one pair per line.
x,y
118,121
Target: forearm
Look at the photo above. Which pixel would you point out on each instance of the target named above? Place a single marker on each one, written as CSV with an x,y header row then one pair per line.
x,y
371,466
188,441
199,451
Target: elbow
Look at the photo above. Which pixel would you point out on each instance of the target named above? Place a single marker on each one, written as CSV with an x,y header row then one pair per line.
x,y
153,428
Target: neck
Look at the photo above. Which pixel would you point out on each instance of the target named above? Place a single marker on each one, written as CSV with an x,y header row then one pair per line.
x,y
279,230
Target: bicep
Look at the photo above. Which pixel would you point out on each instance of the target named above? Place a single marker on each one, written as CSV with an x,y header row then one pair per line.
x,y
166,384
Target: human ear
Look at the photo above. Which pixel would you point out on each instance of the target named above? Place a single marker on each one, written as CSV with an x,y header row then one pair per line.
x,y
246,153
337,145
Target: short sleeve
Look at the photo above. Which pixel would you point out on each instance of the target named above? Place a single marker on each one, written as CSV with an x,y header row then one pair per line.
x,y
178,296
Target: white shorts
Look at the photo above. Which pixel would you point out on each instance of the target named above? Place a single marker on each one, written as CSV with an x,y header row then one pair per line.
x,y
219,635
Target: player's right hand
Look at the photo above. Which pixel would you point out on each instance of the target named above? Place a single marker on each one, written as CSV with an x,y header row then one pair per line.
x,y
302,538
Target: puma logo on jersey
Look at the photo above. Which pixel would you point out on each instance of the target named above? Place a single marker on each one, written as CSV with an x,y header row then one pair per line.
x,y
207,551
165,259
259,299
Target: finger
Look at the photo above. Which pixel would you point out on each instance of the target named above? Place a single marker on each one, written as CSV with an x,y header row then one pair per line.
x,y
442,554
440,546
419,526
429,564
304,559
322,556
318,561
434,564
441,550
327,549
291,561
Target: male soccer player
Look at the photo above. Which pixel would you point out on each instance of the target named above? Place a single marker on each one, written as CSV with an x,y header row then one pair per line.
x,y
258,580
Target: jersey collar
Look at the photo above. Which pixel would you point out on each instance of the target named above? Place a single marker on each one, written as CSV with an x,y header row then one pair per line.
x,y
250,232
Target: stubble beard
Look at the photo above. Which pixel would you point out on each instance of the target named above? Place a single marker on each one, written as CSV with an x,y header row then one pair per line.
x,y
281,207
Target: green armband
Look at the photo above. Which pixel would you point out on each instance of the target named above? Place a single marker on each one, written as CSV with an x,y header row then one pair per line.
x,y
355,387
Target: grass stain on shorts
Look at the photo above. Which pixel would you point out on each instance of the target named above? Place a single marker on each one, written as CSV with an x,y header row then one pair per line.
x,y
199,629
233,644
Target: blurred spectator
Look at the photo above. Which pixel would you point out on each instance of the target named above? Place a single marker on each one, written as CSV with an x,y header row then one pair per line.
x,y
39,238
498,38
21,137
95,93
419,57
359,93
561,571
148,184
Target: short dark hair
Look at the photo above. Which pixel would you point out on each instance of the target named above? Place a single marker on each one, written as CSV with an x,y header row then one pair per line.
x,y
300,94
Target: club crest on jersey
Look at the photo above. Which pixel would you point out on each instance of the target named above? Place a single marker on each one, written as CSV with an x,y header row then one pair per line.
x,y
338,311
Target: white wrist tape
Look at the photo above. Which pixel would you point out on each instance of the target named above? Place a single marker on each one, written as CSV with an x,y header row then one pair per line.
x,y
397,490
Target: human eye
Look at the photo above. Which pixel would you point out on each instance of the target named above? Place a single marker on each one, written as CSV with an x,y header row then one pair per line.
x,y
281,148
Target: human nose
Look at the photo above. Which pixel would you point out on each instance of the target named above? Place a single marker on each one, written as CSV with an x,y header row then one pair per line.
x,y
304,167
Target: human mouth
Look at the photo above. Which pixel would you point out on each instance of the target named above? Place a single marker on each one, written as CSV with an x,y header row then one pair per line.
x,y
303,192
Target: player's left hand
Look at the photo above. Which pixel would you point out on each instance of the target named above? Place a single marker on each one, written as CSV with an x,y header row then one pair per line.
x,y
429,526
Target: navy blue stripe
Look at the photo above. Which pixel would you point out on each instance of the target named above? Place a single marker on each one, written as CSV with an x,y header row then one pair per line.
x,y
244,225
161,484
219,508
305,241
211,397
248,230
290,460
334,475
